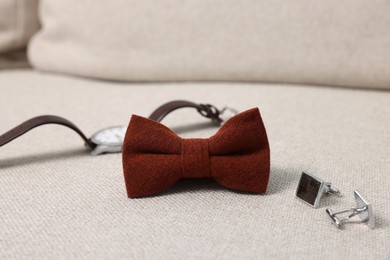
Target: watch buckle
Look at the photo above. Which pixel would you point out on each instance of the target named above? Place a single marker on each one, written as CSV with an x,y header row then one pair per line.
x,y
227,113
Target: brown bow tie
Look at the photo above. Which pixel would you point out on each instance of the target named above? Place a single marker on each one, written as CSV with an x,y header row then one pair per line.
x,y
237,156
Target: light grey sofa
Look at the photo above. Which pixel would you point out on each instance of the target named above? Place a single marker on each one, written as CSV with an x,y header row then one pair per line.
x,y
59,202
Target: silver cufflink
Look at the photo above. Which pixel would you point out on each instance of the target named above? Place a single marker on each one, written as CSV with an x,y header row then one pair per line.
x,y
363,210
310,189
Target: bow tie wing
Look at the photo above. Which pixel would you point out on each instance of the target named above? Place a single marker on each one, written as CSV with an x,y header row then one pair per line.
x,y
151,157
240,154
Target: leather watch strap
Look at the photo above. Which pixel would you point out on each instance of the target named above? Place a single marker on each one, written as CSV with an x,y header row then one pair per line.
x,y
41,120
205,110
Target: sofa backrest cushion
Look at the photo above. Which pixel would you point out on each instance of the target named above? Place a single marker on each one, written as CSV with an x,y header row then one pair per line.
x,y
18,22
344,42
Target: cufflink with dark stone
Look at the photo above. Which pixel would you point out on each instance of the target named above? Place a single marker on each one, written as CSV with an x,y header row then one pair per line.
x,y
310,189
363,210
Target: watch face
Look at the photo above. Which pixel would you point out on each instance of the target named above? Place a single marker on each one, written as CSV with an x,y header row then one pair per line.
x,y
110,136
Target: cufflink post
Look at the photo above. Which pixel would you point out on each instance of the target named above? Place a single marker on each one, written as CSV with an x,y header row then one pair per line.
x,y
310,189
363,210
331,190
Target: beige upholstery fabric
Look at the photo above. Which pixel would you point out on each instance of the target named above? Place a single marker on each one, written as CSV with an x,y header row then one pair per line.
x,y
18,21
58,202
342,42
14,60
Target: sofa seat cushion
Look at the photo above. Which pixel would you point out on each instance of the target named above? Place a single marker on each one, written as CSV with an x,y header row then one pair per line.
x,y
57,201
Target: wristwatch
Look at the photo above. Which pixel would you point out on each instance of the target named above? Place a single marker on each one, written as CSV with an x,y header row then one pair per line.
x,y
110,139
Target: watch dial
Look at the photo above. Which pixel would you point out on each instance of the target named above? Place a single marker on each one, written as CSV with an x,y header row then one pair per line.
x,y
112,135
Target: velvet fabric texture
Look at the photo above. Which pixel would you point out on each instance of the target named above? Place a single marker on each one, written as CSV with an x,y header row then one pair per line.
x,y
237,156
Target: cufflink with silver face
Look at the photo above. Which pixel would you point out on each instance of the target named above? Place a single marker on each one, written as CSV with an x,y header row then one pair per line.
x,y
363,210
310,189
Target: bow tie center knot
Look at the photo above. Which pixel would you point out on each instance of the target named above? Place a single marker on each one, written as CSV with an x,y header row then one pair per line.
x,y
195,158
